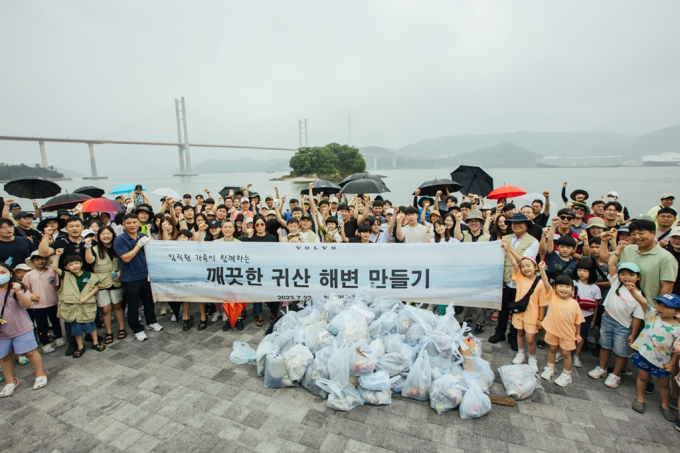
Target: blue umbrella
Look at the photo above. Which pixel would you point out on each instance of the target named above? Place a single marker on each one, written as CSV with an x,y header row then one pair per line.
x,y
124,188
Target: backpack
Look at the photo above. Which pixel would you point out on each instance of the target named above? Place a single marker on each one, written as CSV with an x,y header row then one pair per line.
x,y
521,305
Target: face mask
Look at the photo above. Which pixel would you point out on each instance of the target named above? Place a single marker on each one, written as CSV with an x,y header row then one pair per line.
x,y
610,199
4,278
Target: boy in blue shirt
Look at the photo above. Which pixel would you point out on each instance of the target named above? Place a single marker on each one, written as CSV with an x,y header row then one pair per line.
x,y
560,261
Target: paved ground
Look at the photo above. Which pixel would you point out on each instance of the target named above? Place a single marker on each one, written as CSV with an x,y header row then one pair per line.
x,y
178,391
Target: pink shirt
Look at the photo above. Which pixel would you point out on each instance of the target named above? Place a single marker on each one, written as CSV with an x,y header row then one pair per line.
x,y
17,321
44,285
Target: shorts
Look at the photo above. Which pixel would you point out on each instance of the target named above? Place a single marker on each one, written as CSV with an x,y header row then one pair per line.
x,y
519,324
79,328
566,345
644,365
614,336
585,327
109,296
20,345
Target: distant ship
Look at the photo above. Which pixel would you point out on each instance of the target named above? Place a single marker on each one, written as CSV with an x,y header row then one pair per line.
x,y
661,160
583,161
269,171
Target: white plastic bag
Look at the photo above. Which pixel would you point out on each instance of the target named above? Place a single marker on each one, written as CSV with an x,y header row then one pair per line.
x,y
242,353
519,381
446,393
376,397
355,330
361,360
265,347
417,385
483,368
297,359
317,370
380,380
363,311
386,323
475,403
393,363
288,321
332,308
341,319
383,305
275,373
377,347
340,398
338,364
393,342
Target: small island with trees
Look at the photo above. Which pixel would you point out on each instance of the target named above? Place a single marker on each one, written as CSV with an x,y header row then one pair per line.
x,y
332,162
10,172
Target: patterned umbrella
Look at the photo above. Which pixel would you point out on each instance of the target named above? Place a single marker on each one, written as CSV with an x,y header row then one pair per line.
x,y
102,205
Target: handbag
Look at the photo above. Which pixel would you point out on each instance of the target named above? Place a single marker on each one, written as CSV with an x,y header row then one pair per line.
x,y
520,306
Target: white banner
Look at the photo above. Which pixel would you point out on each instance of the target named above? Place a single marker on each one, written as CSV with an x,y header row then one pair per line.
x,y
470,274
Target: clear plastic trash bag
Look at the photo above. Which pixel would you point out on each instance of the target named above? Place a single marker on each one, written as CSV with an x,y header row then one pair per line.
x,y
340,398
519,381
242,353
419,380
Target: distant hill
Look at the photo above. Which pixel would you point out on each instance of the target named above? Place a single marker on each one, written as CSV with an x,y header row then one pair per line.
x,y
665,140
505,154
377,150
542,143
70,173
243,165
10,172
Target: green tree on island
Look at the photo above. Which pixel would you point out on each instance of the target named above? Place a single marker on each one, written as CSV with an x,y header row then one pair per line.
x,y
328,162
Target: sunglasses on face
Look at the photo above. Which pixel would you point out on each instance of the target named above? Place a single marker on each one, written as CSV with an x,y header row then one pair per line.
x,y
566,217
259,224
578,208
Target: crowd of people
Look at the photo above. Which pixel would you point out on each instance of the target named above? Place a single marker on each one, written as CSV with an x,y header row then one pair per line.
x,y
585,278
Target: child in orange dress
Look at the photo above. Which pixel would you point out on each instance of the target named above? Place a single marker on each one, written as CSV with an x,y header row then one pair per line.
x,y
528,322
562,327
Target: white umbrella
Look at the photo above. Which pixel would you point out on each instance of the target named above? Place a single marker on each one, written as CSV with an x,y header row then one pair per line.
x,y
167,192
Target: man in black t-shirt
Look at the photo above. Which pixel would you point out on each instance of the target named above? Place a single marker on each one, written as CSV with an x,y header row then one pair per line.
x,y
25,227
13,250
71,242
541,211
350,225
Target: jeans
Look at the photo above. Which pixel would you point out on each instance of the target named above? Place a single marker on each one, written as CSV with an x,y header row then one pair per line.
x,y
479,316
133,292
40,317
507,298
273,308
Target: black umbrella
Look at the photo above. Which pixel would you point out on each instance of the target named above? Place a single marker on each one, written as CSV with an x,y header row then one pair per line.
x,y
94,192
224,192
473,180
433,186
364,186
64,201
321,185
358,176
32,188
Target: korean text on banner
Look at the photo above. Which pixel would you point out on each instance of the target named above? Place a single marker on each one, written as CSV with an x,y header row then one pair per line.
x,y
469,274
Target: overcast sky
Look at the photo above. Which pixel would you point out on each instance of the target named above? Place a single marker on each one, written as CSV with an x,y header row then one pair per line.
x,y
404,71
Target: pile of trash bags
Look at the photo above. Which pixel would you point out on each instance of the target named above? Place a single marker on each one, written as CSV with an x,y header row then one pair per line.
x,y
362,350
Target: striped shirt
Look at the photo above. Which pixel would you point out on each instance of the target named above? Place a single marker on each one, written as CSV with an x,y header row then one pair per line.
x,y
17,321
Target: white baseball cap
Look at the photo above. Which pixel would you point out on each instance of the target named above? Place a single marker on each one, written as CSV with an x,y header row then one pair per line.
x,y
245,199
613,194
86,233
389,211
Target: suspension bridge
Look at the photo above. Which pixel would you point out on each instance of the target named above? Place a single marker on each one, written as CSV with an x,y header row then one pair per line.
x,y
183,145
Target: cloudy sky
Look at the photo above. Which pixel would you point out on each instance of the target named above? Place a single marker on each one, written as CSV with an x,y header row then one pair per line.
x,y
404,71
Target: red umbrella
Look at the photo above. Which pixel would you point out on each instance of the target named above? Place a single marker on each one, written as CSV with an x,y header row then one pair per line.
x,y
102,205
233,311
505,192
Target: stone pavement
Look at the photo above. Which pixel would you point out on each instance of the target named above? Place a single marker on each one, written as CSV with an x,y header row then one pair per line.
x,y
178,392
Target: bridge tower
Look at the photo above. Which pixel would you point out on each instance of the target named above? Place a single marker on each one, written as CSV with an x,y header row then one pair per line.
x,y
184,150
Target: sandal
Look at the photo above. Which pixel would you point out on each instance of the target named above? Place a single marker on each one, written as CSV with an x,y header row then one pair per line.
x,y
78,353
122,334
243,315
203,324
9,389
259,322
188,323
40,382
272,318
108,339
98,347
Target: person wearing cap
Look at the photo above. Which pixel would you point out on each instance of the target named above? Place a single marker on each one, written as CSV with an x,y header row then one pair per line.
x,y
269,201
306,233
25,228
594,229
666,218
244,209
667,200
475,232
614,196
432,218
42,282
523,244
656,351
144,214
577,195
581,210
333,206
11,209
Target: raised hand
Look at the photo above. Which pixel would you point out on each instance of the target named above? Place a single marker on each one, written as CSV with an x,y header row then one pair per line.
x,y
546,194
417,192
564,184
59,252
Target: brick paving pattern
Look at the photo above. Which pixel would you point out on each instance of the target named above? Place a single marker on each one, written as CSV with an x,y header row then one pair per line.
x,y
179,392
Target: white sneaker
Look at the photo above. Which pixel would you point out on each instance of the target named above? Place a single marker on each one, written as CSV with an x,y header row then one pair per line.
x,y
558,357
564,379
40,382
548,373
612,381
215,317
577,361
59,342
533,363
173,318
141,336
597,372
49,347
519,358
155,327
225,318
